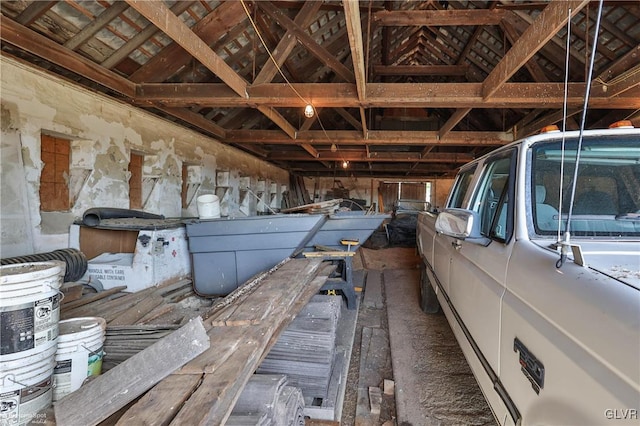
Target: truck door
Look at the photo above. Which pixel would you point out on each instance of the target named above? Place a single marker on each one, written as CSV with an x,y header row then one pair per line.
x,y
477,275
442,244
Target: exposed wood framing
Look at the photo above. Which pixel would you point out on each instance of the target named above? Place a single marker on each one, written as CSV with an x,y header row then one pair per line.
x,y
170,24
439,17
552,18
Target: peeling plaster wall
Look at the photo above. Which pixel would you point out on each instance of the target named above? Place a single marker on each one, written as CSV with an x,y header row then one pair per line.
x,y
103,133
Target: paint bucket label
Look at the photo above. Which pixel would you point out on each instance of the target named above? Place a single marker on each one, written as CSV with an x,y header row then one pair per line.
x,y
21,406
69,374
29,325
79,354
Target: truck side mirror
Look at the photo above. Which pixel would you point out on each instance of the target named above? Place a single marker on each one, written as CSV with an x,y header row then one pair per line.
x,y
462,224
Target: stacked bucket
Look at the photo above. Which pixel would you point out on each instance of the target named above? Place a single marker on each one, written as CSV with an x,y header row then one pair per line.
x,y
35,346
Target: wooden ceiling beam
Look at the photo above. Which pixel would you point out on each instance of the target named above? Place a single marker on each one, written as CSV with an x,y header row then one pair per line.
x,y
545,120
543,29
404,18
32,42
160,15
532,66
173,57
375,137
621,64
34,11
350,118
417,70
304,18
279,120
389,95
310,149
354,31
455,118
627,81
309,42
375,157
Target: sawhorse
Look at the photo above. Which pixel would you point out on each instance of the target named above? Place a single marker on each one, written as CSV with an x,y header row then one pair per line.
x,y
344,281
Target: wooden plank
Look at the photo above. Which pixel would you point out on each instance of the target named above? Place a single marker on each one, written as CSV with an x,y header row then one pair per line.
x,y
139,310
117,387
458,70
34,11
170,24
155,313
92,298
109,308
543,29
373,291
158,406
439,17
387,95
278,119
213,401
354,30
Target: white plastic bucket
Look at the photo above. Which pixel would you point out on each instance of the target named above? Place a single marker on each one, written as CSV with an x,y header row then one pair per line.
x,y
79,354
26,387
29,308
208,206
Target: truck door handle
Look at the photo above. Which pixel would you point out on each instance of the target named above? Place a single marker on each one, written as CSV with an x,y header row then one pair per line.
x,y
456,245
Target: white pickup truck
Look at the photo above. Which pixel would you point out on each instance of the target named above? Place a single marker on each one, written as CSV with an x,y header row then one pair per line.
x,y
547,317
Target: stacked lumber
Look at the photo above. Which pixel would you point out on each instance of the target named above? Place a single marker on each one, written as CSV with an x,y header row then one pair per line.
x,y
305,351
152,305
268,400
324,207
205,390
123,342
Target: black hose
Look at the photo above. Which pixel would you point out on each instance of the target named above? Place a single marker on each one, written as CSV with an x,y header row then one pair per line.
x,y
92,217
75,260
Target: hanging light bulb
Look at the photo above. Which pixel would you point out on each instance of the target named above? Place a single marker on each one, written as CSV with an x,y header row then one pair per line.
x,y
345,164
334,148
308,111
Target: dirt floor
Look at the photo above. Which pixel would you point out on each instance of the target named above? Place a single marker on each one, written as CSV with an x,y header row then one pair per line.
x,y
433,383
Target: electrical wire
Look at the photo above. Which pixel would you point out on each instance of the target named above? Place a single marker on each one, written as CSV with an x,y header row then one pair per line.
x,y
306,102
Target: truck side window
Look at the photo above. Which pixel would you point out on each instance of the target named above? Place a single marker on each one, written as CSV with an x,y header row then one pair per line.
x,y
461,187
493,197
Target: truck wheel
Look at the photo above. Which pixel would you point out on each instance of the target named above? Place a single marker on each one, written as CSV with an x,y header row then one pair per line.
x,y
428,299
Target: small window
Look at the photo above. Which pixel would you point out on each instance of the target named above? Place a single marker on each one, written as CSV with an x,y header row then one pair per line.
x,y
54,180
461,187
493,197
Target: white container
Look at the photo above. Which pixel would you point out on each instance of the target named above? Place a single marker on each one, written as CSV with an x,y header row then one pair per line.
x,y
79,354
29,308
26,387
208,206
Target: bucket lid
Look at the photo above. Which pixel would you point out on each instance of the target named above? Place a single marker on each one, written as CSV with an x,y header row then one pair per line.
x,y
22,272
83,326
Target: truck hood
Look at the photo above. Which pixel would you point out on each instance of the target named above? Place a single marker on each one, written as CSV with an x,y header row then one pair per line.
x,y
619,259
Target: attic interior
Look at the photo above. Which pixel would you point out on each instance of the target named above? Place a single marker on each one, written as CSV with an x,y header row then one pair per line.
x,y
268,106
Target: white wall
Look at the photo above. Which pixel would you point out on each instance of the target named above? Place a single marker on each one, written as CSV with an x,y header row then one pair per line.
x,y
103,134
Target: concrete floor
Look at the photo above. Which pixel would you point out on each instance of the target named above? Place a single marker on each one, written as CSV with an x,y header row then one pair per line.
x,y
433,382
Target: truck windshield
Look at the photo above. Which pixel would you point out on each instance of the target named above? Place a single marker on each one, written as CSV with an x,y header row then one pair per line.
x,y
607,194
